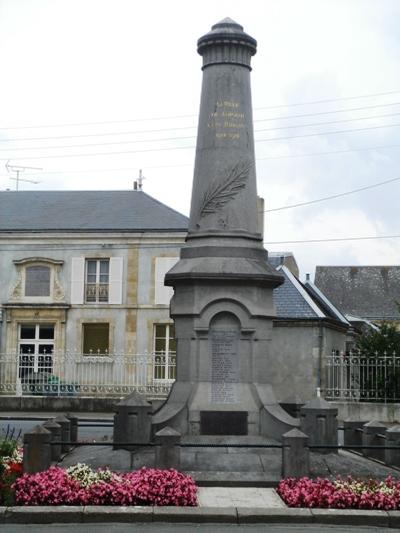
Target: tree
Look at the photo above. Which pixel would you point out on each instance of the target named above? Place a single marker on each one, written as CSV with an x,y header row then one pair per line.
x,y
379,363
384,341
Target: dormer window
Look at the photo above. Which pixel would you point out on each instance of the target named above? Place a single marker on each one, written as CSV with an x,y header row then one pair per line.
x,y
37,280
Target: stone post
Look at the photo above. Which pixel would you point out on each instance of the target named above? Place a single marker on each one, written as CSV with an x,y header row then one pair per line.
x,y
65,432
295,454
370,438
132,420
353,433
73,426
37,450
392,457
318,419
168,451
55,430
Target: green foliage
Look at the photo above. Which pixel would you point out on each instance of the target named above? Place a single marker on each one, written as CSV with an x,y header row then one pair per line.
x,y
385,341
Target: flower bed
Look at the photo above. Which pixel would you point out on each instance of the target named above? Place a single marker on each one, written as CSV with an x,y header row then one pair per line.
x,y
80,485
341,493
10,465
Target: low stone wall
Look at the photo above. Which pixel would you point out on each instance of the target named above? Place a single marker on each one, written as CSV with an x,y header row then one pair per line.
x,y
74,404
384,412
53,404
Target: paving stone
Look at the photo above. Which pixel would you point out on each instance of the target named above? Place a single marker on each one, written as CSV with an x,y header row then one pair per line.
x,y
351,517
394,518
239,497
44,514
254,515
233,479
102,513
228,462
195,514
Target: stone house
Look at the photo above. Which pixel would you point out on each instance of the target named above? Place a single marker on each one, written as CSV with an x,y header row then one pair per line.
x,y
82,272
308,328
363,293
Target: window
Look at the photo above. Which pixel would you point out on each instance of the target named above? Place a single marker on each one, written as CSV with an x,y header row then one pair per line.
x,y
97,280
164,352
37,280
96,338
36,346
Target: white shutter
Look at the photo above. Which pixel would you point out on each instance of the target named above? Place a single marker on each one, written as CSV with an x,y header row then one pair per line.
x,y
77,280
115,290
163,294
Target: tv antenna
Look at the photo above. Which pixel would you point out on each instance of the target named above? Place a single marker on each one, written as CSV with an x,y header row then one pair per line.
x,y
18,169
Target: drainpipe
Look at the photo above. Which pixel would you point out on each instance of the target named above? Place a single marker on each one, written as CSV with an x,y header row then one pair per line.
x,y
320,351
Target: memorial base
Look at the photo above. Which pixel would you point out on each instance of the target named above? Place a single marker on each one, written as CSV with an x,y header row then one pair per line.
x,y
190,410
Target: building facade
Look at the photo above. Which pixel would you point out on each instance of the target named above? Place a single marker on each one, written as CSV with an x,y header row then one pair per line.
x,y
82,278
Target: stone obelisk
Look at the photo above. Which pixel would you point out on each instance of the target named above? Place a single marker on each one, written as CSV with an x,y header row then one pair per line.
x,y
222,303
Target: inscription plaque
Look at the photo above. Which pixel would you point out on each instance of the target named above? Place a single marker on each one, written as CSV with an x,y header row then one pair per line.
x,y
223,422
224,345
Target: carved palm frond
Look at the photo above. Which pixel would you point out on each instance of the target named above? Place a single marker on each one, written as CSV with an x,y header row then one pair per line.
x,y
220,193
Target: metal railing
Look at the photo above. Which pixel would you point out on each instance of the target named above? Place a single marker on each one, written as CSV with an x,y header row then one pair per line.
x,y
96,292
76,374
355,376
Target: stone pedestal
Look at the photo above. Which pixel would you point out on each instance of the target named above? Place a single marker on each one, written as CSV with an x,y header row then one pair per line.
x,y
74,420
65,432
295,454
370,437
392,457
318,419
168,452
132,421
37,450
55,430
352,433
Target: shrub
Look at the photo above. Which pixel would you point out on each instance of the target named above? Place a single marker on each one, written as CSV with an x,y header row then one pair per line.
x,y
80,485
346,493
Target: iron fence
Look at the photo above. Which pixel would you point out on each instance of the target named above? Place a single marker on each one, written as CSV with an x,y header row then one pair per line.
x,y
76,374
354,375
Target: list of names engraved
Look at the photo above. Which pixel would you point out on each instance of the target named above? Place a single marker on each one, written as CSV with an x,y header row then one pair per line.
x,y
224,364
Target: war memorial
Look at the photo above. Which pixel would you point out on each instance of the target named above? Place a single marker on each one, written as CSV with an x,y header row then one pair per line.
x,y
222,304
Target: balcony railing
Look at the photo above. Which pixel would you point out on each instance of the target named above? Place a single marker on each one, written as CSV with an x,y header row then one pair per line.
x,y
75,374
96,292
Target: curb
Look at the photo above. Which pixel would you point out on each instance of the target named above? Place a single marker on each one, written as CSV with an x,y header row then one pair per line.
x,y
197,515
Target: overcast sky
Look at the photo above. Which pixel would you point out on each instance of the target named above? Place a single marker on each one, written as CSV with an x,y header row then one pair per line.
x,y
124,75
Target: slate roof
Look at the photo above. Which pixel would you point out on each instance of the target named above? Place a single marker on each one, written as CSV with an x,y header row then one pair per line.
x,y
369,292
292,300
86,211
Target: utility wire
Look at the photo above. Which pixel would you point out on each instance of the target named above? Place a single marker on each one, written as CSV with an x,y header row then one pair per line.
x,y
271,139
179,165
330,152
325,123
328,100
333,196
344,239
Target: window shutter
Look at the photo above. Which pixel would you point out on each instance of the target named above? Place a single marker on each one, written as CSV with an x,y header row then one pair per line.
x,y
77,280
163,294
115,291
